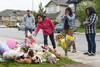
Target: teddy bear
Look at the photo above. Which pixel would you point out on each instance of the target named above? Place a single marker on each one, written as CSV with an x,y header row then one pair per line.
x,y
56,54
36,59
36,56
28,55
31,57
51,59
25,60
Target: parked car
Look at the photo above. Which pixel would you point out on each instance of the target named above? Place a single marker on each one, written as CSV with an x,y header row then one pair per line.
x,y
14,26
59,27
2,26
22,27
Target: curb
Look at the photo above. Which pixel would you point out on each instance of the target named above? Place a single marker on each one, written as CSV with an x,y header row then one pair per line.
x,y
84,33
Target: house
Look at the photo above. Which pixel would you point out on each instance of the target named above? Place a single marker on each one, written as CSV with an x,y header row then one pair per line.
x,y
11,17
55,9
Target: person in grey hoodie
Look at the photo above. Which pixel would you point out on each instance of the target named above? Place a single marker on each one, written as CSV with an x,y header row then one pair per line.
x,y
29,22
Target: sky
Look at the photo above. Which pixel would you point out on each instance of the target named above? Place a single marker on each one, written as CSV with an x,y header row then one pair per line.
x,y
21,4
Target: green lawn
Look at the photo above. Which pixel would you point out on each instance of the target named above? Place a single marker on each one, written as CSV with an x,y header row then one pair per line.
x,y
59,63
83,30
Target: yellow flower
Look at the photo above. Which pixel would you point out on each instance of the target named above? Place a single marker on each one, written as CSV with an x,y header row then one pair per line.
x,y
69,38
63,44
14,56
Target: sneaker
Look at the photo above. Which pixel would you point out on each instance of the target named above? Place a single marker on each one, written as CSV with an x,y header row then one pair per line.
x,y
55,50
74,51
91,54
69,49
86,53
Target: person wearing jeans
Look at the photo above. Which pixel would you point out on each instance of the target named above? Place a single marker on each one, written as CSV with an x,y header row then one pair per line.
x,y
90,30
29,22
48,29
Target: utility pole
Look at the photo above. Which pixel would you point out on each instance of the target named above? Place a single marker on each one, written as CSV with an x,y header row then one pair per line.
x,y
32,5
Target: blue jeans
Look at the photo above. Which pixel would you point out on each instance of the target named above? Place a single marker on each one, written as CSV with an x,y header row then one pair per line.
x,y
26,30
62,30
91,42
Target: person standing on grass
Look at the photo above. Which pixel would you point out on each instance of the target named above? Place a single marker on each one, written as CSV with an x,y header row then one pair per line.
x,y
90,30
48,29
29,22
68,20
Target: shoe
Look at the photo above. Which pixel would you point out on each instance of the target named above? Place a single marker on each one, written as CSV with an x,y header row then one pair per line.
x,y
55,50
69,49
86,53
74,51
91,54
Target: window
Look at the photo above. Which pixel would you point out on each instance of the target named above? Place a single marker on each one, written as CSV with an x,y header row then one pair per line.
x,y
14,18
18,12
71,6
4,16
13,23
52,8
5,22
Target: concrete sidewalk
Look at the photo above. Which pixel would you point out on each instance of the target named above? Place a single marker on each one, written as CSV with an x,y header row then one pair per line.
x,y
78,56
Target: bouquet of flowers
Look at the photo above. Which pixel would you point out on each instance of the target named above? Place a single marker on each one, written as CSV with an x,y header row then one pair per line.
x,y
29,39
59,37
25,47
66,43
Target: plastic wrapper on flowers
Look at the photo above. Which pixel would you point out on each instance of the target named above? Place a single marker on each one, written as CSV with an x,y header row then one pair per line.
x,y
72,42
66,42
25,47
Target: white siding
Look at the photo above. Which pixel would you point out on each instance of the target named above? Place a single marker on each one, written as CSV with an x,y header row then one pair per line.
x,y
72,6
62,9
5,18
52,4
58,8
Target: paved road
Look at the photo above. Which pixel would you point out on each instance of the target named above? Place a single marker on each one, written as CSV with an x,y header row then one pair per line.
x,y
81,43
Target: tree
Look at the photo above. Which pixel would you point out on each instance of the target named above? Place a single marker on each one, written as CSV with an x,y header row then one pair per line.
x,y
41,9
20,22
35,14
97,8
8,22
81,11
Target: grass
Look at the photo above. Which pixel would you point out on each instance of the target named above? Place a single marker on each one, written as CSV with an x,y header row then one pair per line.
x,y
59,63
83,30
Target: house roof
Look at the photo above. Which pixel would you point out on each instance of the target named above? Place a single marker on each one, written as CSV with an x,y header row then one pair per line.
x,y
59,2
9,12
53,15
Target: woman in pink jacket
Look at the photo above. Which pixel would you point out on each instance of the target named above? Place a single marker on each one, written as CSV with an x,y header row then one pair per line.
x,y
48,29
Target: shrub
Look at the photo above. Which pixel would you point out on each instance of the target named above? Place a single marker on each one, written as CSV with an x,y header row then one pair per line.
x,y
98,26
55,22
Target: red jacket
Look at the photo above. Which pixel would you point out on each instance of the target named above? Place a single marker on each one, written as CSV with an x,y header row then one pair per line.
x,y
47,26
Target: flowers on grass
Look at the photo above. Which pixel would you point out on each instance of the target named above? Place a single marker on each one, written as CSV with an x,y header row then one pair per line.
x,y
25,47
